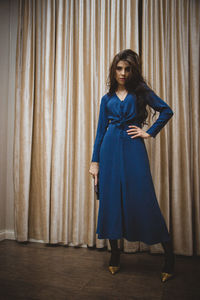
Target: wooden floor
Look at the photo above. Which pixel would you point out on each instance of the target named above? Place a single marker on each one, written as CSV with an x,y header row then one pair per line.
x,y
37,271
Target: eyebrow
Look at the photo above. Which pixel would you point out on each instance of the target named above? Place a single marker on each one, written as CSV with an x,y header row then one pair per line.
x,y
128,67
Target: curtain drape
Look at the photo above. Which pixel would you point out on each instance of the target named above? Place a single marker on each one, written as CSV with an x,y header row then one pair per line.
x,y
64,51
170,53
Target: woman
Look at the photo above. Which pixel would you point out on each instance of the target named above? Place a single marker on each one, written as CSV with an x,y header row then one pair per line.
x,y
128,206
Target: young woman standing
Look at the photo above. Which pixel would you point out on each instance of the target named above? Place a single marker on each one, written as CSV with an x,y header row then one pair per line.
x,y
128,206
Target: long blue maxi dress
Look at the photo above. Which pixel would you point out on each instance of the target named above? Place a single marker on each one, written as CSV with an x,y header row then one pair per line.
x,y
128,206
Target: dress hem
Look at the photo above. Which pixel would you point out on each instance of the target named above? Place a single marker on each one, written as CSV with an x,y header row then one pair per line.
x,y
134,240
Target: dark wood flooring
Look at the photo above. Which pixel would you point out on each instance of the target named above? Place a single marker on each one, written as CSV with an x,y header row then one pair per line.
x,y
37,271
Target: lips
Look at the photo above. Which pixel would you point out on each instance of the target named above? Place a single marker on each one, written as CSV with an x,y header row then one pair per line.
x,y
123,78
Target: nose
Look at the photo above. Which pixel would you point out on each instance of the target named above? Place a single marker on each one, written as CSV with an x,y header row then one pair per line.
x,y
123,71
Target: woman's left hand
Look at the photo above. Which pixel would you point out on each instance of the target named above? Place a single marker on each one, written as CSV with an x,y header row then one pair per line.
x,y
137,131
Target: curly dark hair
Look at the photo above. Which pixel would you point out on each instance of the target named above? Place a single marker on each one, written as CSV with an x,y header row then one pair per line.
x,y
135,84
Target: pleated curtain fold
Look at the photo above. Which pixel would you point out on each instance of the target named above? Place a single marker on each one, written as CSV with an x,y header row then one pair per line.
x,y
64,50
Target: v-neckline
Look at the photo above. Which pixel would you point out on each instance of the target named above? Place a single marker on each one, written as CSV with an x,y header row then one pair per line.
x,y
120,99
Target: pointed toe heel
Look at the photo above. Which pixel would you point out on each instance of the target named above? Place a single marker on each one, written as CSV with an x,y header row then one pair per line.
x,y
167,271
113,269
114,263
166,276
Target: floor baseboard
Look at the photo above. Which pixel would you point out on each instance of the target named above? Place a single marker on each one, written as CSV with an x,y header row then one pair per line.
x,y
7,235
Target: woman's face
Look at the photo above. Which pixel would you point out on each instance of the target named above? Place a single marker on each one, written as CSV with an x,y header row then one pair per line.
x,y
122,72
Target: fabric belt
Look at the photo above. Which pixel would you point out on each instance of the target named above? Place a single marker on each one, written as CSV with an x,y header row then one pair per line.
x,y
123,124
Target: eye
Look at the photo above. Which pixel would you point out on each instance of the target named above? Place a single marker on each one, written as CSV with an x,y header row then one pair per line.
x,y
128,69
119,68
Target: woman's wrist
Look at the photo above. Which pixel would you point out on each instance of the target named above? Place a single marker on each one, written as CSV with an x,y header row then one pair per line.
x,y
148,134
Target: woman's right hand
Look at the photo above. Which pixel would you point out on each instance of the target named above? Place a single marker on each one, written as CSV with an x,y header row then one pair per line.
x,y
94,170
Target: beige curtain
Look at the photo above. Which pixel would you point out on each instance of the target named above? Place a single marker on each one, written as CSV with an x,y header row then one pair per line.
x,y
170,53
64,50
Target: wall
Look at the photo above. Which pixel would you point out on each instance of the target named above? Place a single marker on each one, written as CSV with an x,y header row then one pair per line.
x,y
8,38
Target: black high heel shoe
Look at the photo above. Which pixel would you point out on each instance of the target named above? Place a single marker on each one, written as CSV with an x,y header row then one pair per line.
x,y
168,267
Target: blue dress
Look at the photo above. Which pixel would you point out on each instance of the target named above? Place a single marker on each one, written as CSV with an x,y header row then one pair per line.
x,y
128,207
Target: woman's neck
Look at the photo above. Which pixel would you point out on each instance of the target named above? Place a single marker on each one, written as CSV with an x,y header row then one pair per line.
x,y
121,88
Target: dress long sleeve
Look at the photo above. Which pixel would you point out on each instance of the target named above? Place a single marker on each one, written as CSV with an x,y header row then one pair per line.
x,y
101,129
166,113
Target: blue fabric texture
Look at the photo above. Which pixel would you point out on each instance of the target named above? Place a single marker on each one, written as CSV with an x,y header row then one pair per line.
x,y
128,207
